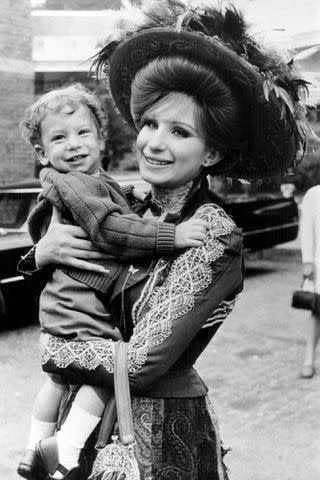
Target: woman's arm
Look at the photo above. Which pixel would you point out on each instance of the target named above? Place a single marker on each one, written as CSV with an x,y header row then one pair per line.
x,y
65,245
200,280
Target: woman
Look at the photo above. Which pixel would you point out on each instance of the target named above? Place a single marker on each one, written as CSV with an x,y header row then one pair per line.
x,y
310,243
204,99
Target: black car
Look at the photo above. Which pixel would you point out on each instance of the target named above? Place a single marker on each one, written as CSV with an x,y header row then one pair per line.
x,y
267,220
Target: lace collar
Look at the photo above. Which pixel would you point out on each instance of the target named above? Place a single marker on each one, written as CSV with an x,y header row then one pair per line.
x,y
165,200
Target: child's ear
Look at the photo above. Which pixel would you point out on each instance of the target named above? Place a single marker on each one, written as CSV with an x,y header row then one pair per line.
x,y
41,155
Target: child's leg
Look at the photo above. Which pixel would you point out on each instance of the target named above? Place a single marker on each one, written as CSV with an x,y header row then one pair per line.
x,y
82,419
45,411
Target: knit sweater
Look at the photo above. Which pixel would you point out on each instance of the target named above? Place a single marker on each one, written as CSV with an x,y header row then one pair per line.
x,y
98,206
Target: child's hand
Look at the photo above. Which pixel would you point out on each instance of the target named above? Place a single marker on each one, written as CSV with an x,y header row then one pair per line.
x,y
138,194
191,233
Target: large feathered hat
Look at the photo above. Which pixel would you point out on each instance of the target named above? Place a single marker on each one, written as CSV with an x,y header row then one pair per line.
x,y
217,38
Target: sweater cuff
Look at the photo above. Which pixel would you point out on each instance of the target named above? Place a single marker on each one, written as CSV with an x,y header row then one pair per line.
x,y
127,190
166,235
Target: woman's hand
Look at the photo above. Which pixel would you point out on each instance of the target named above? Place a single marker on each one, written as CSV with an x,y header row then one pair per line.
x,y
67,245
308,270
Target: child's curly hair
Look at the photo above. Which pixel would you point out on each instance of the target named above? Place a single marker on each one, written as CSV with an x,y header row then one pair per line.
x,y
72,95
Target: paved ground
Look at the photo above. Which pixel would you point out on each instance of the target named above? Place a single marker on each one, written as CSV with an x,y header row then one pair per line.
x,y
268,416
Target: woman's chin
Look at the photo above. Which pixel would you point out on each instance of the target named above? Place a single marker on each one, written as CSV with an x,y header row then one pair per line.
x,y
154,176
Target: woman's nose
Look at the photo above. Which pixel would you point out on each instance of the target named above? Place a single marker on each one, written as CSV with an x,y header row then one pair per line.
x,y
156,140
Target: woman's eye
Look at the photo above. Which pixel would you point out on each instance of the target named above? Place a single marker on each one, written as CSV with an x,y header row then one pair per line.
x,y
180,132
149,123
84,131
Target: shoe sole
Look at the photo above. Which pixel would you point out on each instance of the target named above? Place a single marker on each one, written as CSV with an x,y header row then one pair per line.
x,y
39,474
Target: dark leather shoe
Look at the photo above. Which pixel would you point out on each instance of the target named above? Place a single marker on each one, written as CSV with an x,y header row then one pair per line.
x,y
47,450
30,466
307,371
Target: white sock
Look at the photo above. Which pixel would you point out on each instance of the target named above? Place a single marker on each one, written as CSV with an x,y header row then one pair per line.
x,y
38,431
73,435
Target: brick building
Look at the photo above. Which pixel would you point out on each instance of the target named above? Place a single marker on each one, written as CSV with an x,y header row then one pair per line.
x,y
16,88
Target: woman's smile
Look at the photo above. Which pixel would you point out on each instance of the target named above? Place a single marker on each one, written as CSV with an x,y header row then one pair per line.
x,y
156,161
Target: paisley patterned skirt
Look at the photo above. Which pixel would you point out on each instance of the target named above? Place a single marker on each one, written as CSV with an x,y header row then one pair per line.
x,y
176,439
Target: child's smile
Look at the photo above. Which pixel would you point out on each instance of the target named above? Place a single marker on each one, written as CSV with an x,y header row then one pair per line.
x,y
70,141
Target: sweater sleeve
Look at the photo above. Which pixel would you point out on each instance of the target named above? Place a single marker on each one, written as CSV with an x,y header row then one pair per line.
x,y
198,292
307,233
112,229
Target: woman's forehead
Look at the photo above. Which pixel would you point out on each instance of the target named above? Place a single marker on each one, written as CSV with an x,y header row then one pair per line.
x,y
175,107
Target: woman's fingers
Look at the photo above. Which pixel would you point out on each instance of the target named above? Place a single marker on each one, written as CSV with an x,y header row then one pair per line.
x,y
85,254
71,230
84,265
62,244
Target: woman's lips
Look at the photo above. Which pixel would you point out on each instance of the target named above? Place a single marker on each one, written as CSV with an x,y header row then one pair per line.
x,y
157,162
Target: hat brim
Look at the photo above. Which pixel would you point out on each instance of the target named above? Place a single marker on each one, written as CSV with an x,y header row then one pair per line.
x,y
271,144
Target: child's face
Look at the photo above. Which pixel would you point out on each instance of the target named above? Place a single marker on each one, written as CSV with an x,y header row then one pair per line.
x,y
70,141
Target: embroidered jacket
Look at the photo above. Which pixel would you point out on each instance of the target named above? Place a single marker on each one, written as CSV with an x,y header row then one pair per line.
x,y
173,308
98,205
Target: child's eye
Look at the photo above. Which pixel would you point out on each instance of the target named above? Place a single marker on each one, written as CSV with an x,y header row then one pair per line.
x,y
57,138
84,131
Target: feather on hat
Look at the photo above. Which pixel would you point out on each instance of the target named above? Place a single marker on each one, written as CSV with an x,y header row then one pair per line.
x,y
216,37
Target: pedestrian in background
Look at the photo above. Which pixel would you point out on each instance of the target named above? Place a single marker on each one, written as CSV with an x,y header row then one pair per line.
x,y
310,247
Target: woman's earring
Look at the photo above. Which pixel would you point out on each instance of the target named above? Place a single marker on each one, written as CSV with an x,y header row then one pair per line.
x,y
211,158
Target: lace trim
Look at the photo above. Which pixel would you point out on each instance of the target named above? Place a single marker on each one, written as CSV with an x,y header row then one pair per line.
x,y
189,274
171,200
89,354
158,306
116,461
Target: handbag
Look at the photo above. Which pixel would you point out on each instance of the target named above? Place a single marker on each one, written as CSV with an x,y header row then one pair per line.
x,y
117,460
305,298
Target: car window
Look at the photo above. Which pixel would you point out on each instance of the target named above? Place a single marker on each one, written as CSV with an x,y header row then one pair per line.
x,y
15,207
